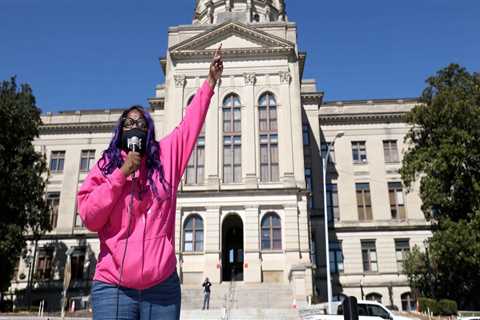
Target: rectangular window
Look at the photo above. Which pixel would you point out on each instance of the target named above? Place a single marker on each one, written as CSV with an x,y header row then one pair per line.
x,y
53,202
402,247
308,182
232,159
331,157
87,160
390,151
269,171
359,152
57,160
336,256
333,209
44,264
77,263
364,202
397,200
369,256
194,173
306,135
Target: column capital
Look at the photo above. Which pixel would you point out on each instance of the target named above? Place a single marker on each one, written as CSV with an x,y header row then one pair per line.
x,y
180,80
285,77
250,79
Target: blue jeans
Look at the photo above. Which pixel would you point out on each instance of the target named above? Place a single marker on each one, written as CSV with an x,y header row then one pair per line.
x,y
158,302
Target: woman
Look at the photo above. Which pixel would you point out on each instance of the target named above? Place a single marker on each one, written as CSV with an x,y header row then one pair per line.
x,y
129,198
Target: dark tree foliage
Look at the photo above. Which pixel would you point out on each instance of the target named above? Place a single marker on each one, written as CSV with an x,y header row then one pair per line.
x,y
444,155
23,209
445,145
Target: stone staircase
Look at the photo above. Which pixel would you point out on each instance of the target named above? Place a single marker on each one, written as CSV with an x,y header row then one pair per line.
x,y
238,300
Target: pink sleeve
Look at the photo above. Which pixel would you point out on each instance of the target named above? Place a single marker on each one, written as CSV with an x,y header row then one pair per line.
x,y
97,196
180,142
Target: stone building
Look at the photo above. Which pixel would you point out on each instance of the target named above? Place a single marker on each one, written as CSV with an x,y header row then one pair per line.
x,y
250,205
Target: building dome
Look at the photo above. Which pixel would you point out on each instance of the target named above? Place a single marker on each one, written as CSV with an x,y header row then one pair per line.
x,y
245,11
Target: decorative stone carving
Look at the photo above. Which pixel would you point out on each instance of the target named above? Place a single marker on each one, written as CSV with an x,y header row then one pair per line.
x,y
250,79
285,77
180,81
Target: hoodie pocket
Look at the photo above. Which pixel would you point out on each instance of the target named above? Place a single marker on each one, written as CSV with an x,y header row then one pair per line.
x,y
146,262
130,261
159,260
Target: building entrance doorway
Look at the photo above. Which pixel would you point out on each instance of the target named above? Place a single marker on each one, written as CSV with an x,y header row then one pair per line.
x,y
232,248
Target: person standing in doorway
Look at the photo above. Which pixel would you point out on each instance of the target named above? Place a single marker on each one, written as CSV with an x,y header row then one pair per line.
x,y
206,291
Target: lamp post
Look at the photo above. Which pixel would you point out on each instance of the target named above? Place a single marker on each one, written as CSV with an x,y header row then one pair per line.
x,y
325,212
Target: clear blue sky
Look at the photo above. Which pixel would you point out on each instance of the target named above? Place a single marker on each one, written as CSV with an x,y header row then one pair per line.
x,y
104,53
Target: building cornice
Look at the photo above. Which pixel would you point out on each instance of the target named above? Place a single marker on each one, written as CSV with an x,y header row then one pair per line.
x,y
340,103
384,228
314,98
157,103
238,193
364,118
87,127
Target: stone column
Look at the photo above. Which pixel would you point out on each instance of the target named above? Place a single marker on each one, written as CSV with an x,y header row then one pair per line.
x,y
285,147
249,132
252,265
212,268
212,146
291,233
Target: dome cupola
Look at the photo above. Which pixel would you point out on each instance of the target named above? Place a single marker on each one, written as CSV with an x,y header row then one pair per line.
x,y
245,11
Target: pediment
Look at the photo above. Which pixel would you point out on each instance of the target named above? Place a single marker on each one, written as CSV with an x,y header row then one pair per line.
x,y
234,37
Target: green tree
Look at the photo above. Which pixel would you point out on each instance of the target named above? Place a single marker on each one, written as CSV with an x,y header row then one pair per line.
x,y
23,209
444,155
445,145
450,267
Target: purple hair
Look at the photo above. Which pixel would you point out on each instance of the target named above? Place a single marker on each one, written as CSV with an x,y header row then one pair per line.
x,y
111,157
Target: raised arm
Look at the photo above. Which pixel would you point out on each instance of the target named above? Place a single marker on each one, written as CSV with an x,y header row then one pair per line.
x,y
182,139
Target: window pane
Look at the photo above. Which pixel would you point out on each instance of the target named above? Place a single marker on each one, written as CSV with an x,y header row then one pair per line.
x,y
264,172
237,171
273,113
272,101
227,126
265,244
273,125
275,172
188,236
274,153
237,126
237,152
277,244
188,246
263,154
263,125
263,100
199,236
227,174
262,112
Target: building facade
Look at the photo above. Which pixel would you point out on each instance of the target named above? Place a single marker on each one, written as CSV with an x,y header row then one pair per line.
x,y
250,205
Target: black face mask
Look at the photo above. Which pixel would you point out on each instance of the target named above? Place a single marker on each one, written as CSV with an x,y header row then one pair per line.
x,y
128,144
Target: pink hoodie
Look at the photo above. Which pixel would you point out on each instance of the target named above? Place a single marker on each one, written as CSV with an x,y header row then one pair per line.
x,y
103,206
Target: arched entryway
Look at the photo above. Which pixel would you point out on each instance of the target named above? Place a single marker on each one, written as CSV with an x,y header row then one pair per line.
x,y
232,248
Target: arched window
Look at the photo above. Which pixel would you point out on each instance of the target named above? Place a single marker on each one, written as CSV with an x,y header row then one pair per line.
x,y
271,232
193,234
232,145
195,171
267,115
374,297
408,302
